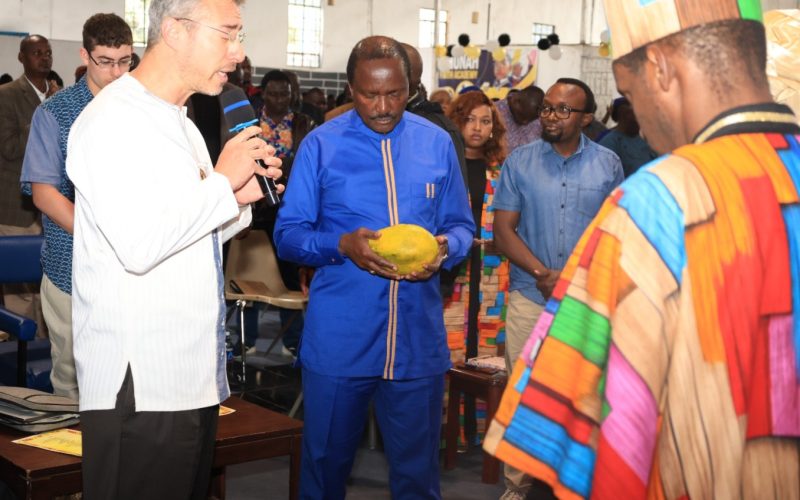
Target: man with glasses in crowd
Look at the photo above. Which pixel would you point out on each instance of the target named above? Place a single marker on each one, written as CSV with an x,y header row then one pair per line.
x,y
151,214
106,52
549,191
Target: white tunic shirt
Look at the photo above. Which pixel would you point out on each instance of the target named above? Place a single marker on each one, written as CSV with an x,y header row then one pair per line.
x,y
145,276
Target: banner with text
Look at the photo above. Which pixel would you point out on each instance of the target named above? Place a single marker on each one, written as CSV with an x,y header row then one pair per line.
x,y
494,72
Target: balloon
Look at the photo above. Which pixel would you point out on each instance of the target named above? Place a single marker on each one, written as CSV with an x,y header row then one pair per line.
x,y
605,36
603,50
457,51
555,52
499,54
443,64
440,51
491,45
472,52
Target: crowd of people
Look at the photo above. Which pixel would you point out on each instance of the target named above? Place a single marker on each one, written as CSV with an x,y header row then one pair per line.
x,y
651,332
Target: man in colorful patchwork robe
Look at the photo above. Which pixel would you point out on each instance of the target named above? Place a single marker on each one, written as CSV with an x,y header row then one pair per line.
x,y
666,362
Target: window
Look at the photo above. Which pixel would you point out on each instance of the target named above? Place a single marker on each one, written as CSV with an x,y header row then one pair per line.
x,y
136,16
305,33
426,24
541,31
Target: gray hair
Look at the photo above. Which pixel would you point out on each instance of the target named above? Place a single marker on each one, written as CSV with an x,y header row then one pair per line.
x,y
160,9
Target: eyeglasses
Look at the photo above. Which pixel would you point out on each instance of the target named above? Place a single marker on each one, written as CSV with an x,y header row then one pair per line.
x,y
232,36
562,111
106,64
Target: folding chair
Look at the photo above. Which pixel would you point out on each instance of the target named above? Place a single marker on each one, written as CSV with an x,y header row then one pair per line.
x,y
20,263
253,268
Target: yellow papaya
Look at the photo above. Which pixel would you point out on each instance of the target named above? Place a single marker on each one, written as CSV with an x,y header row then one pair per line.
x,y
408,246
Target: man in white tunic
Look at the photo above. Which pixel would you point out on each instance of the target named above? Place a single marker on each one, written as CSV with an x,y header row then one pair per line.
x,y
151,214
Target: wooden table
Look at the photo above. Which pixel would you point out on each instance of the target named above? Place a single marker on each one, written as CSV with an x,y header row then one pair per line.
x,y
482,385
254,433
251,433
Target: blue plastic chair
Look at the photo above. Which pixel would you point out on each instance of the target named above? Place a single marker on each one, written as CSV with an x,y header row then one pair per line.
x,y
20,262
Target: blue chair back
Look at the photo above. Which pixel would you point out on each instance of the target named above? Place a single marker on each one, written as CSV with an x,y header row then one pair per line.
x,y
20,259
20,262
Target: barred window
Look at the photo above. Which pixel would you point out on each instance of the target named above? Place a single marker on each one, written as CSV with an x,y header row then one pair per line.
x,y
305,34
541,31
427,21
136,17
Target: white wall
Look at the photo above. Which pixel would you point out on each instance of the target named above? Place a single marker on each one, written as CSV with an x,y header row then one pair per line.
x,y
346,22
550,70
59,20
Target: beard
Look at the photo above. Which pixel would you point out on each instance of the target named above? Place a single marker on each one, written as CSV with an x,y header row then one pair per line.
x,y
550,137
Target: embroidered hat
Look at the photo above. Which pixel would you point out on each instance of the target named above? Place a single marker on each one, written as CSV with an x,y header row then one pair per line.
x,y
634,23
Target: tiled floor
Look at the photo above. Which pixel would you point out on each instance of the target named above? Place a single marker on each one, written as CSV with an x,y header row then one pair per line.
x,y
369,479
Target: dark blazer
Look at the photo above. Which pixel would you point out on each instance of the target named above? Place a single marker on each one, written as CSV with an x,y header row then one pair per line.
x,y
18,101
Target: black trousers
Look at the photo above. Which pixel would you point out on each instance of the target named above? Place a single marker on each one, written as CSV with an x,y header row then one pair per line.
x,y
152,455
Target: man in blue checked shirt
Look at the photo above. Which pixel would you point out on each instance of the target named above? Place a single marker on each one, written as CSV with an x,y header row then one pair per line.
x,y
106,52
548,192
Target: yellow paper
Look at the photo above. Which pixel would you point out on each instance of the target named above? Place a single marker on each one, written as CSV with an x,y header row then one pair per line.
x,y
66,441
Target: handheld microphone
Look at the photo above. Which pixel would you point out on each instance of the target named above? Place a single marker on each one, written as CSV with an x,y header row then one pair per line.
x,y
238,116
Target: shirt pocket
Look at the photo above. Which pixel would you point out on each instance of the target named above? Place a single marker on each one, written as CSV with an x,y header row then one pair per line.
x,y
424,196
590,199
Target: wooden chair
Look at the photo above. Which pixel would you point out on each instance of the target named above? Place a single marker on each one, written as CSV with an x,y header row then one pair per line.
x,y
482,385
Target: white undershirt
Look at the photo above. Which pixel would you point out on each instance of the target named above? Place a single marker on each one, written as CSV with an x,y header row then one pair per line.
x,y
42,95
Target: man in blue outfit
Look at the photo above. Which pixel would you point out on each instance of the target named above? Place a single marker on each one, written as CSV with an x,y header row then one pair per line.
x,y
369,333
106,52
549,190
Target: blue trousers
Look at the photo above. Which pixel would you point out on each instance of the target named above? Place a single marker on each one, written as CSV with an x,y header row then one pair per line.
x,y
409,414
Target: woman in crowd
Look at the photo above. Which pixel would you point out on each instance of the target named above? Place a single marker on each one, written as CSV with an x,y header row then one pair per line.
x,y
484,137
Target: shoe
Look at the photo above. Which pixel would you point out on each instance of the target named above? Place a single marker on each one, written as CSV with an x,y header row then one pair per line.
x,y
251,350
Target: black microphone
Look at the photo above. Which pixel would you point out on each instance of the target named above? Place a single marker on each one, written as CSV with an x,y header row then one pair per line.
x,y
238,116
